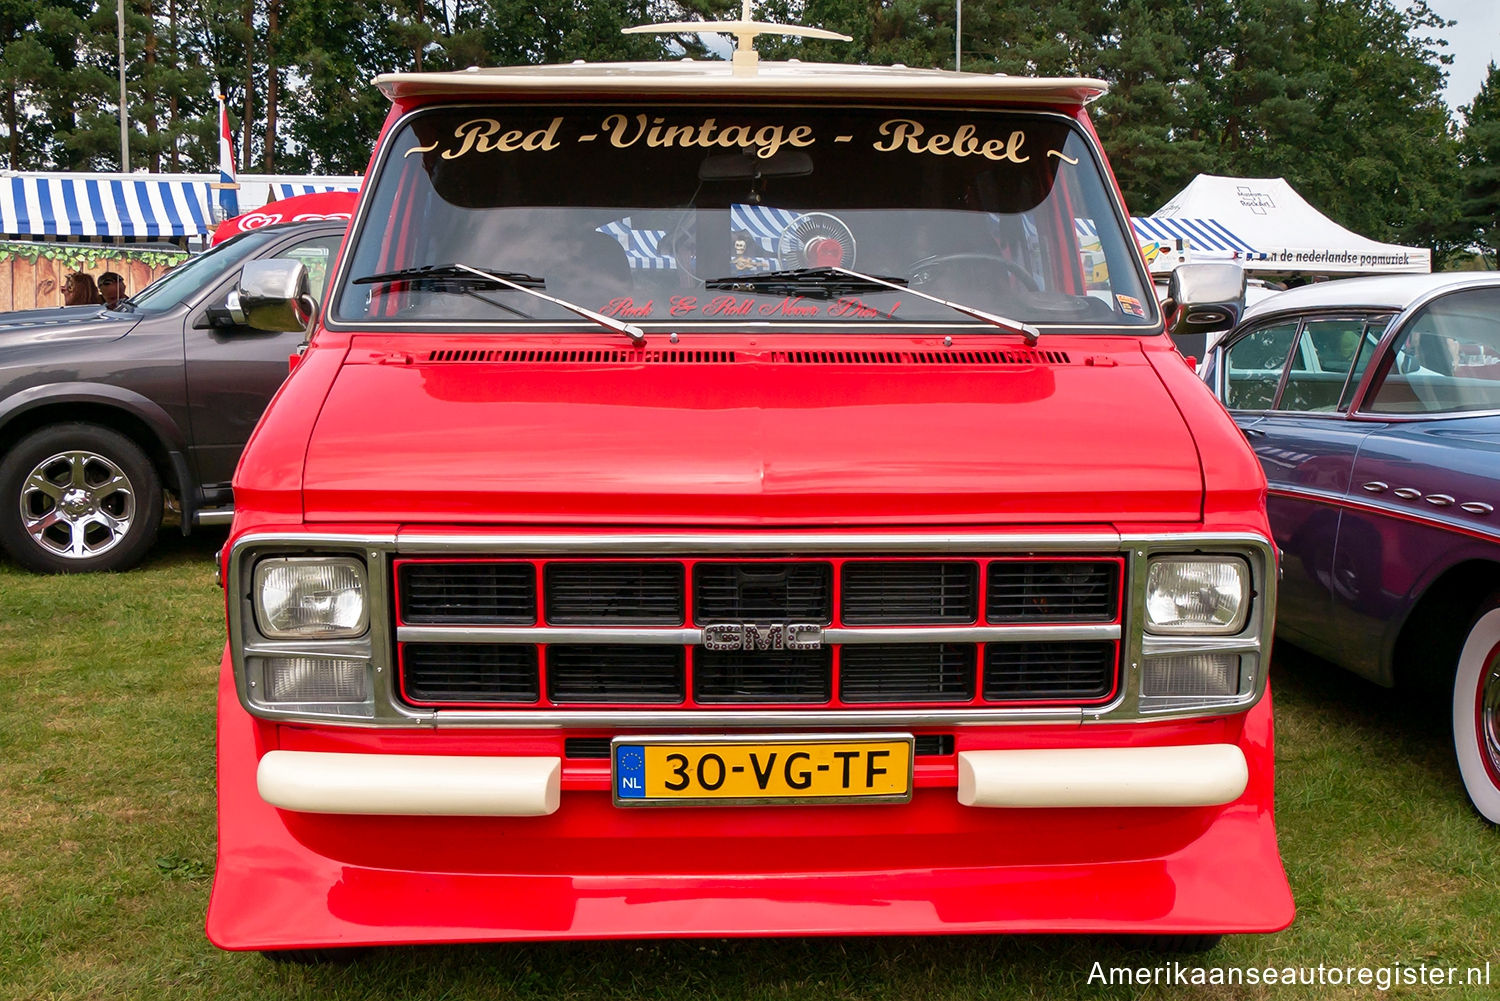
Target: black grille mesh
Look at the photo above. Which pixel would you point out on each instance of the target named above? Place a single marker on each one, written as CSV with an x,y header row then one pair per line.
x,y
580,594
907,672
747,592
1048,671
467,672
762,676
909,592
482,593
609,673
1032,590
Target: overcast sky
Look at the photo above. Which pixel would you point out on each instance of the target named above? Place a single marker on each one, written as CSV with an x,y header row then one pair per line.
x,y
1472,43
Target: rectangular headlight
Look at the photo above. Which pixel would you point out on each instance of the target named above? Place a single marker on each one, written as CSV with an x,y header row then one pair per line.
x,y
311,597
1199,595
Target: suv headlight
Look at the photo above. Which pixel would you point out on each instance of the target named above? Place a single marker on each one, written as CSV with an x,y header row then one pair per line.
x,y
310,597
1198,595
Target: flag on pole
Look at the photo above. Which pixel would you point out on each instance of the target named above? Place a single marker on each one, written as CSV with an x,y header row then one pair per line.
x,y
229,202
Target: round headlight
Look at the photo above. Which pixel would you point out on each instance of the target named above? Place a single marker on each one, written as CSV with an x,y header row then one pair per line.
x,y
311,598
1197,594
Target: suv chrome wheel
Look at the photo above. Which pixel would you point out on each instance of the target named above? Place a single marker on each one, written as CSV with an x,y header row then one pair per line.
x,y
76,498
77,504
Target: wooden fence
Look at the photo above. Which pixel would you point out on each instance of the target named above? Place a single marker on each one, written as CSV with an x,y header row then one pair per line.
x,y
32,274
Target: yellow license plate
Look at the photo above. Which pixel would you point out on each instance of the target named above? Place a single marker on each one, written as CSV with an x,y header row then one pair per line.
x,y
724,771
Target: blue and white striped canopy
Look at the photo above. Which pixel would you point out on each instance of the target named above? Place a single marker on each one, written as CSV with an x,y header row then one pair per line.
x,y
281,190
1202,234
52,205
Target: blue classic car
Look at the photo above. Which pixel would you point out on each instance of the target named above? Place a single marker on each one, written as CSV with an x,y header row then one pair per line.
x,y
1374,405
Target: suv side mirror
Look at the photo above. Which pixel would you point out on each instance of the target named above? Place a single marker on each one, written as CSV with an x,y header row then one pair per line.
x,y
1203,299
272,295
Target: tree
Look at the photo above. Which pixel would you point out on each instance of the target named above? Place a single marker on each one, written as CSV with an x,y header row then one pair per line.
x,y
1479,205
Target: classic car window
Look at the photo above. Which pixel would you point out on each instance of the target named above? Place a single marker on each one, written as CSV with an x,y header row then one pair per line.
x,y
1374,328
1254,366
678,214
1447,360
1322,363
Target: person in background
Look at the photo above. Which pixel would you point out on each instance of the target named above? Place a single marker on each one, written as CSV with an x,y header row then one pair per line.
x,y
112,287
79,290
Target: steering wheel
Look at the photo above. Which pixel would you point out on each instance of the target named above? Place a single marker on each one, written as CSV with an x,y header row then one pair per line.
x,y
930,269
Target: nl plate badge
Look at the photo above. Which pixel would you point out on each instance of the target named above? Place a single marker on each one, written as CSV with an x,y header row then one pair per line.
x,y
758,769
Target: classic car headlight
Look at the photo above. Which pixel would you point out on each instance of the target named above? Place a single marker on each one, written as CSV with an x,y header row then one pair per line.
x,y
1202,595
311,598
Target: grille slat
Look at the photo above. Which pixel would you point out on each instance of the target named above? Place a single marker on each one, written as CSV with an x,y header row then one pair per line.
x,y
910,593
747,592
483,593
1075,590
462,672
613,673
580,594
1082,670
762,676
925,672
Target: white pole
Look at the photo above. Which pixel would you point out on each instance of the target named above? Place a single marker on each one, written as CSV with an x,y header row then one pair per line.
x,y
124,113
958,38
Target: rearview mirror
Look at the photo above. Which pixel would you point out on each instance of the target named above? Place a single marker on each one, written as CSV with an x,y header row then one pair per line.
x,y
1203,299
747,165
273,295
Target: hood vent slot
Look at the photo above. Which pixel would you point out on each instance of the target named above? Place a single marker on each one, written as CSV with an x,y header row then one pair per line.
x,y
1020,357
562,356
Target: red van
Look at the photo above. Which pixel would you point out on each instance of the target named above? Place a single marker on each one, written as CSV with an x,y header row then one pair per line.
x,y
733,503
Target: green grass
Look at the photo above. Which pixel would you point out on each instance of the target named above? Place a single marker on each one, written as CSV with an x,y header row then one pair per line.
x,y
107,844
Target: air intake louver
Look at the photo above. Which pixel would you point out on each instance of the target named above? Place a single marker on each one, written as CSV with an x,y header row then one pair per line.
x,y
762,676
1076,590
919,672
464,672
910,592
765,592
1048,671
595,356
488,593
583,594
606,673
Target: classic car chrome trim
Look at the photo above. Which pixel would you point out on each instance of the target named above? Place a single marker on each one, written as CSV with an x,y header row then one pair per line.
x,y
1402,511
737,543
1477,507
378,549
692,636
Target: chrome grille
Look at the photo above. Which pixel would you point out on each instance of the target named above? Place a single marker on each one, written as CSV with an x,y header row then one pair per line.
x,y
587,632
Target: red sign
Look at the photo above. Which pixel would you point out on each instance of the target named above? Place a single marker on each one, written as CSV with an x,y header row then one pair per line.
x,y
300,208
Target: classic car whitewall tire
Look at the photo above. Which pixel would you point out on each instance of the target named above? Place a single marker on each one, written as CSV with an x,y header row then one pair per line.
x,y
1476,712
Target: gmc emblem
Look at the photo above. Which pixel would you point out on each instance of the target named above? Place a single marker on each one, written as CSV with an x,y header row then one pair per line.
x,y
771,636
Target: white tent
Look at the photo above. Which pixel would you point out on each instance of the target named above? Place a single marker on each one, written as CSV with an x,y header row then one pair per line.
x,y
1263,223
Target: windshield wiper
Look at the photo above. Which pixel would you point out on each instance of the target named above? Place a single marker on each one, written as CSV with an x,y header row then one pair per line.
x,y
519,281
813,283
499,279
842,281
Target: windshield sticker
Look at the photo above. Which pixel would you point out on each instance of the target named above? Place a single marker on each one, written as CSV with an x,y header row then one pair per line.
x,y
794,307
625,131
1131,305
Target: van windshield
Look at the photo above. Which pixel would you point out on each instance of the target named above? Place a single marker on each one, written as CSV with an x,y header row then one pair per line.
x,y
702,216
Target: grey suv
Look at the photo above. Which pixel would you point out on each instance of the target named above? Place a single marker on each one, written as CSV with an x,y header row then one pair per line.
x,y
107,414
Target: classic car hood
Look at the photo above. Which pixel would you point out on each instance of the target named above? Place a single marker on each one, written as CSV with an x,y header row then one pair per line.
x,y
475,434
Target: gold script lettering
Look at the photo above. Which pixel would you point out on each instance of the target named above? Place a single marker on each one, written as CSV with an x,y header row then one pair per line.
x,y
912,136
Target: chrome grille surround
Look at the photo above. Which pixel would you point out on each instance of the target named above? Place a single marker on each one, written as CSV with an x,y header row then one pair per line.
x,y
378,645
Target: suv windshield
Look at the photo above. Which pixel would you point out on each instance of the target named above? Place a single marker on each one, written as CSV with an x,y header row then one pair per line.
x,y
704,216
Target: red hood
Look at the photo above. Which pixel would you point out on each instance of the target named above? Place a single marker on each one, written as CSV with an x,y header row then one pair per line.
x,y
1084,433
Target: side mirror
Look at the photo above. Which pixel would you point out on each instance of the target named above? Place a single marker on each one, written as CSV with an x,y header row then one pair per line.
x,y
1203,299
272,295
